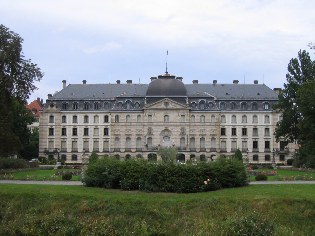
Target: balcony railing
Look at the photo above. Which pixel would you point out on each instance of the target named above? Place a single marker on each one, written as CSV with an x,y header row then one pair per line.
x,y
213,149
267,150
105,149
74,150
116,149
255,150
202,149
222,149
181,148
127,149
63,150
192,149
96,149
139,149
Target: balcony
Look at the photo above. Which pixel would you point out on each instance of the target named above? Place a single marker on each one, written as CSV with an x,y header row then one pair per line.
x,y
267,150
96,149
127,149
192,149
116,149
202,149
213,149
223,150
74,150
63,150
255,150
233,149
105,149
244,150
181,148
138,149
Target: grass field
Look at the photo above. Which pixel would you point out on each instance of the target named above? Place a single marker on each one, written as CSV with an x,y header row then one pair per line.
x,y
288,175
75,210
35,175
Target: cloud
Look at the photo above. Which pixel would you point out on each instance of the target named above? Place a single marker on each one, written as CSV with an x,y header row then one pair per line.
x,y
110,46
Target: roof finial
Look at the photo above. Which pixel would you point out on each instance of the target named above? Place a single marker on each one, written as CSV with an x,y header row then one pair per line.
x,y
166,62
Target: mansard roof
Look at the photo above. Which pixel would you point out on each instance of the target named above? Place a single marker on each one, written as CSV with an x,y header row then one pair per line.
x,y
218,91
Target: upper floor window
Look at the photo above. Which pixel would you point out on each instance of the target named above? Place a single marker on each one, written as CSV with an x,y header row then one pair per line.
x,y
166,118
128,119
75,106
266,106
51,131
244,119
51,119
233,120
202,105
150,118
244,106
137,105
210,105
255,119
106,105
182,118
212,118
202,119
86,119
106,119
96,106
96,119
267,119
116,118
233,106
64,106
223,119
74,119
192,118
138,118
254,106
222,106
64,119
106,131
74,131
86,106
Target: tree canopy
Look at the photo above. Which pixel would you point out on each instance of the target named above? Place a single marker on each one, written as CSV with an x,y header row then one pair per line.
x,y
17,77
297,104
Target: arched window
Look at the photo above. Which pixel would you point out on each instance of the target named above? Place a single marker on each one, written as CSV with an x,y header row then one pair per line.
x,y
86,106
192,118
128,119
128,105
212,118
51,119
233,120
222,105
193,105
210,105
266,106
202,119
244,106
244,119
255,119
202,144
96,119
137,105
96,106
117,144
254,106
166,118
106,119
116,118
75,106
149,143
86,119
138,144
138,118
233,106
213,143
267,119
223,119
202,105
128,144
192,144
182,143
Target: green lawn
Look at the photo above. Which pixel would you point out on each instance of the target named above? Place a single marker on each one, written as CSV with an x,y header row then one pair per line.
x,y
288,175
78,210
35,175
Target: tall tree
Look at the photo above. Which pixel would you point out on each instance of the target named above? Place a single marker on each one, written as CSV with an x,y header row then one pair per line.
x,y
295,103
17,77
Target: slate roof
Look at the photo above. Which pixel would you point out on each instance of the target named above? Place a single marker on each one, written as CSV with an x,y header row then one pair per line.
x,y
219,91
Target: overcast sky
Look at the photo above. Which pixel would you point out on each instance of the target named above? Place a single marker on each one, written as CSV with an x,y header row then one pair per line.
x,y
103,41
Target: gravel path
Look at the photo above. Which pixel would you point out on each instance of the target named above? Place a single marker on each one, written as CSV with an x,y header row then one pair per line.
x,y
78,183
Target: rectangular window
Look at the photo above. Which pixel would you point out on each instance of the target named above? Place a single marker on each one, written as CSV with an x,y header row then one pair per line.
x,y
267,132
86,146
106,119
255,131
74,131
51,131
150,118
64,119
267,157
255,158
282,157
86,132
106,133
96,131
244,131
74,119
50,144
74,146
86,119
63,131
96,120
233,146
95,145
233,131
106,146
244,146
267,144
255,144
182,118
223,131
63,146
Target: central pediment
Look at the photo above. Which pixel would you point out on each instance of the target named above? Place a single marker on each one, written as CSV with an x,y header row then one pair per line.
x,y
166,103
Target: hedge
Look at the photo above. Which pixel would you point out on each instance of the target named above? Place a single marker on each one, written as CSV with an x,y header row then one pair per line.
x,y
139,174
11,163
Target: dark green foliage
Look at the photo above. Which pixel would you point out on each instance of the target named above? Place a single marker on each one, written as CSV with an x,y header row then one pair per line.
x,y
10,163
168,154
261,177
238,155
93,157
135,174
67,176
289,162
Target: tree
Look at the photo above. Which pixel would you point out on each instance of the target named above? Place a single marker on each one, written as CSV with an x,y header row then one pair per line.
x,y
296,103
238,155
17,77
168,154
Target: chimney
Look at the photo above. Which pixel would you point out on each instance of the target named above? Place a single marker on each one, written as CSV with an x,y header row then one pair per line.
x,y
179,78
235,81
277,90
84,81
215,81
38,100
64,84
49,96
129,81
195,81
118,81
153,78
255,81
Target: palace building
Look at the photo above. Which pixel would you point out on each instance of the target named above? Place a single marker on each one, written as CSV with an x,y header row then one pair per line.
x,y
203,121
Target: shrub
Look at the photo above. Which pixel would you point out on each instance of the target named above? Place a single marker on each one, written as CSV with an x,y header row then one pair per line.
x,y
290,162
139,174
67,176
10,163
261,177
